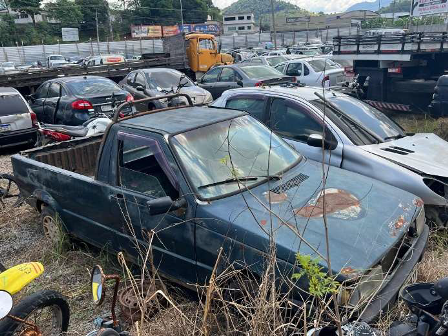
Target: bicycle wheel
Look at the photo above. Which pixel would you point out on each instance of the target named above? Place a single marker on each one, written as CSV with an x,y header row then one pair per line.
x,y
46,309
9,191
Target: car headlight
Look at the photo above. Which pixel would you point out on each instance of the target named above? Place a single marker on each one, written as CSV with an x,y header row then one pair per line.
x,y
208,98
361,290
420,221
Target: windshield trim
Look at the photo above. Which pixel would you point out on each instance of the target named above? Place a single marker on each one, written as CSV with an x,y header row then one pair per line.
x,y
239,190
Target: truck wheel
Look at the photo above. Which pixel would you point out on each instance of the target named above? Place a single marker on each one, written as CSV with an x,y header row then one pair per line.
x,y
52,226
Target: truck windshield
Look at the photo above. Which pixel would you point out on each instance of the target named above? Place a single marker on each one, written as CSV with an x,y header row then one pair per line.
x,y
369,117
218,155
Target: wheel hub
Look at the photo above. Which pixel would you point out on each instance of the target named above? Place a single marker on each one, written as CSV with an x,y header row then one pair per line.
x,y
51,229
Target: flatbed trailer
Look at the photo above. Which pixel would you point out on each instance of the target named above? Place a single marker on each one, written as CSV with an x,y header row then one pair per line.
x,y
396,71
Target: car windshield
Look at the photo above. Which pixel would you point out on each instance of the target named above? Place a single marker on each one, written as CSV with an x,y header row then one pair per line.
x,y
369,117
233,149
57,58
254,72
322,64
273,61
11,104
166,80
93,86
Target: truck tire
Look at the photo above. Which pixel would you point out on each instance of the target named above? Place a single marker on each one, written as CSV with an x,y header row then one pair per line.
x,y
52,226
34,304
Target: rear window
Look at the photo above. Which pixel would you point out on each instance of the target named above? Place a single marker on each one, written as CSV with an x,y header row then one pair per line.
x,y
273,61
322,64
90,87
12,104
254,72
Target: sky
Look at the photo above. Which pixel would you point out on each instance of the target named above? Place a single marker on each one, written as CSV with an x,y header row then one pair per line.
x,y
326,6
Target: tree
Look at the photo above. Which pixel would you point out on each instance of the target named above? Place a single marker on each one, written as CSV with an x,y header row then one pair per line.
x,y
90,10
67,12
30,7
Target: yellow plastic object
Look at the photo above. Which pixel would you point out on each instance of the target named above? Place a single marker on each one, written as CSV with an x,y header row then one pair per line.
x,y
15,278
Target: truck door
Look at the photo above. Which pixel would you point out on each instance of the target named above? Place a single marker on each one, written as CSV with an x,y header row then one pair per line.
x,y
144,174
51,102
207,54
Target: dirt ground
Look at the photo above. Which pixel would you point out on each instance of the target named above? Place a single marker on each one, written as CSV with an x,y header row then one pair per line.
x,y
22,240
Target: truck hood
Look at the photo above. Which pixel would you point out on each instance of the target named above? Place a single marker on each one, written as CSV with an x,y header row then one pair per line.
x,y
424,153
365,217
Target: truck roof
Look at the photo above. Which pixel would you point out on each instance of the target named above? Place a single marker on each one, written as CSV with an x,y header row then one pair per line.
x,y
182,119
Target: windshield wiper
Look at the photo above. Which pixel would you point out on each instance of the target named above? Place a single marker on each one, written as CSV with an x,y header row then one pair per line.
x,y
395,137
239,179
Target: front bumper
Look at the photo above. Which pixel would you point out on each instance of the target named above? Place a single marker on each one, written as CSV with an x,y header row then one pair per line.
x,y
389,293
17,138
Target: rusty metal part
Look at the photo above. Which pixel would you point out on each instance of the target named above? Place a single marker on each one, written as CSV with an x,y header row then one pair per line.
x,y
336,200
131,303
32,329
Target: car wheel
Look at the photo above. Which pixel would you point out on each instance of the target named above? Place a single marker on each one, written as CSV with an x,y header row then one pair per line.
x,y
52,226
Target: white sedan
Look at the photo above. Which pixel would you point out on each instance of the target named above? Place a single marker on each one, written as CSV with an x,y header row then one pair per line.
x,y
314,71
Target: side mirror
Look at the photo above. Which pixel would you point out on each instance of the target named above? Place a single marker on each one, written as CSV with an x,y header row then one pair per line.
x,y
240,82
441,288
97,285
315,140
140,88
165,204
5,303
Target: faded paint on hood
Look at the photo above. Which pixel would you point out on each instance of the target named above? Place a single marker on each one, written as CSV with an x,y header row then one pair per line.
x,y
364,223
423,152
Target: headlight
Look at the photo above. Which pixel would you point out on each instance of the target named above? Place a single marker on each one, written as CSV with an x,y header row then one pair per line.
x,y
420,221
208,98
361,291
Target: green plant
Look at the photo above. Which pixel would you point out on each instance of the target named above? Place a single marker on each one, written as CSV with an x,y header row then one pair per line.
x,y
320,283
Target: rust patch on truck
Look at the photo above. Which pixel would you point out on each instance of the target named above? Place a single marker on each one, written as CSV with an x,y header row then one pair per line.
x,y
339,203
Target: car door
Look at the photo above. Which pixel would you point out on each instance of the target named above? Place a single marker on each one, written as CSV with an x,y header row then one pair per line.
x,y
126,84
208,81
144,174
51,102
295,69
255,105
295,122
228,79
37,101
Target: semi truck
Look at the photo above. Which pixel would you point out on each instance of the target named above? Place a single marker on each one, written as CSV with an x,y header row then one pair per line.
x,y
397,72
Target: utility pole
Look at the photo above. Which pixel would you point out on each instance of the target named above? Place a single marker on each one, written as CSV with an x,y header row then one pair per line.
x,y
273,25
97,28
181,16
110,23
393,11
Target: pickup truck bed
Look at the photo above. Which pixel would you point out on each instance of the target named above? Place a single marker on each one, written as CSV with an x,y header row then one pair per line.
x,y
78,156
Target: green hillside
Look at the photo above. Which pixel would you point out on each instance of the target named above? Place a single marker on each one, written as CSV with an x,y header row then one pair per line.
x,y
263,7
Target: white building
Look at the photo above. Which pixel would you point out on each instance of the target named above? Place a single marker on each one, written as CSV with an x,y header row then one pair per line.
x,y
239,24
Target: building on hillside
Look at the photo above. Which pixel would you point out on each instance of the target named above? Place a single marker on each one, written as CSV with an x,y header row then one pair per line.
x,y
330,21
394,16
23,18
238,24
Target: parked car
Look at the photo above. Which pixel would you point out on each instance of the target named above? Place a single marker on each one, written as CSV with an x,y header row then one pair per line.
x,y
266,60
359,138
309,51
104,59
56,61
17,121
225,77
8,66
157,82
73,100
202,179
314,71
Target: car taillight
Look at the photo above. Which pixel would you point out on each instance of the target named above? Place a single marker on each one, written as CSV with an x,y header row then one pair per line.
x,y
129,98
326,78
258,83
294,79
34,119
82,105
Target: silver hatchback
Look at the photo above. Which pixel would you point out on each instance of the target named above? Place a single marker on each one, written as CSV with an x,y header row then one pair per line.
x,y
18,123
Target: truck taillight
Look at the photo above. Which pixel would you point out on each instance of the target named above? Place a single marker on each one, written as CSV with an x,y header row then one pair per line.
x,y
34,119
129,98
396,70
82,105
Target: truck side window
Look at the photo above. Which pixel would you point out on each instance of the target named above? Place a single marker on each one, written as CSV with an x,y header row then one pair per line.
x,y
140,171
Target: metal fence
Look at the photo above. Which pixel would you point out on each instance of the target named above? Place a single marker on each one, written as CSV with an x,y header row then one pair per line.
x,y
26,54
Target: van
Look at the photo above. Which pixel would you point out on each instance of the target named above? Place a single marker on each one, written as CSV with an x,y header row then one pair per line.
x,y
105,59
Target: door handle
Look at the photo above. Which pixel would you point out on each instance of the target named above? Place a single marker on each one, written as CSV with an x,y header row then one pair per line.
x,y
117,196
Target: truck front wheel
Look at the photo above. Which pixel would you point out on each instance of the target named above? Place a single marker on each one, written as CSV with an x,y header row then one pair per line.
x,y
52,226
